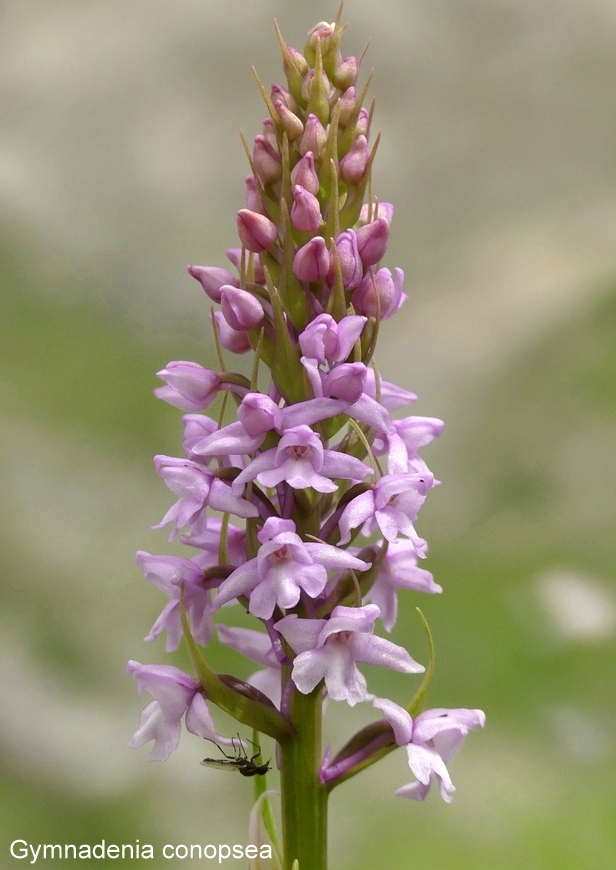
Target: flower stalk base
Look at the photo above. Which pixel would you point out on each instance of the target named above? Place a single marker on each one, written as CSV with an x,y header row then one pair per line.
x,y
304,796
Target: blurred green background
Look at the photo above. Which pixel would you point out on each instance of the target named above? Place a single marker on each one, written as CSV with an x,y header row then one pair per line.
x,y
120,162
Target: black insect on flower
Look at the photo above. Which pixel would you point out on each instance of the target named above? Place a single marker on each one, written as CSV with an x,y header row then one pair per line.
x,y
240,761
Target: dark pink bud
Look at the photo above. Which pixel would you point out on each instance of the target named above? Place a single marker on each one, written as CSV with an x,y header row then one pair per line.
x,y
314,138
290,122
241,309
212,279
254,270
311,263
372,241
304,174
257,232
279,93
351,265
354,163
345,74
231,339
347,103
266,161
305,211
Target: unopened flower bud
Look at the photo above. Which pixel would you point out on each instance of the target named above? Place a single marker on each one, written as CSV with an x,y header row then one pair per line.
x,y
347,103
323,33
369,213
256,232
240,308
346,381
305,211
266,161
317,92
363,122
312,262
259,414
253,200
188,385
345,74
279,93
269,132
304,174
354,163
212,279
389,292
324,38
297,60
372,241
231,339
290,122
254,270
351,266
314,138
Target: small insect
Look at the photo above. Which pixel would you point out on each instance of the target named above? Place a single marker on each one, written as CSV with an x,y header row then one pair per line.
x,y
240,761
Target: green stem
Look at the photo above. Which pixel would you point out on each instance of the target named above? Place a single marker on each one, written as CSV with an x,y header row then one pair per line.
x,y
304,797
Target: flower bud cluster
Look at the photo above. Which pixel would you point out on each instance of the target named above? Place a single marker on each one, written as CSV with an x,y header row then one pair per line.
x,y
318,486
